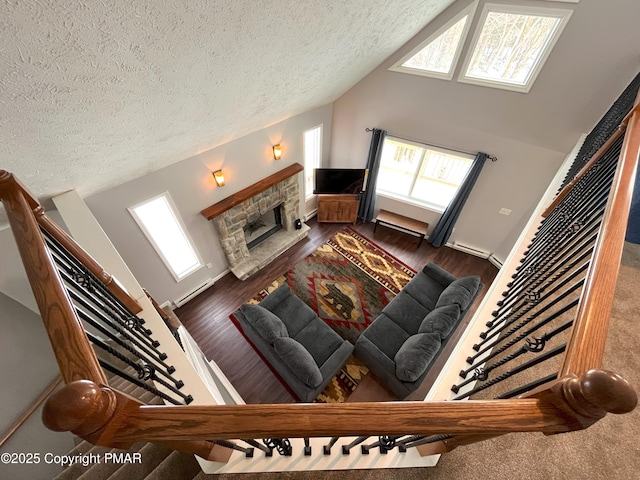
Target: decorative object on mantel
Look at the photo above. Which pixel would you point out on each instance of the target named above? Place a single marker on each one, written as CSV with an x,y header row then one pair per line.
x,y
230,216
218,175
277,152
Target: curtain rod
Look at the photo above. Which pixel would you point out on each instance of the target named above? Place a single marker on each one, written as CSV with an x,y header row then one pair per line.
x,y
490,157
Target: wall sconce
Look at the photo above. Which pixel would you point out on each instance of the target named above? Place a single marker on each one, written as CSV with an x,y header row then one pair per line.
x,y
219,177
277,152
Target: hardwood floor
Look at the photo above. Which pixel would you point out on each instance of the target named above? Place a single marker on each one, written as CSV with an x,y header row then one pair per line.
x,y
206,317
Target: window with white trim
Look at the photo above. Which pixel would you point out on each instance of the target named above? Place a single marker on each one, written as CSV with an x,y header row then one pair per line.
x,y
159,221
511,45
421,174
312,143
438,54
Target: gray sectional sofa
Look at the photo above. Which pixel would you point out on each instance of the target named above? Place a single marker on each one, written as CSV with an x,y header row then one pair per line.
x,y
304,351
404,340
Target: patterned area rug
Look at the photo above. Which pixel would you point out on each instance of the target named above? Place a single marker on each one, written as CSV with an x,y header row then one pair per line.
x,y
347,282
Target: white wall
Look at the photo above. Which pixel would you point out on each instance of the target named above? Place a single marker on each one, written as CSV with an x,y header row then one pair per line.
x,y
13,278
411,107
529,133
190,184
27,368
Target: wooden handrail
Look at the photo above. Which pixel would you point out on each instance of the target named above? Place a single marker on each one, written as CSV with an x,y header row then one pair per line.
x,y
586,347
75,356
29,411
107,417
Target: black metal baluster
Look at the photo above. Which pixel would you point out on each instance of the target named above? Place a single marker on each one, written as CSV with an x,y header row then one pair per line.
x,y
281,445
346,449
532,344
248,452
268,452
520,368
326,449
64,257
514,328
115,370
141,352
385,444
307,447
556,274
522,335
482,347
529,386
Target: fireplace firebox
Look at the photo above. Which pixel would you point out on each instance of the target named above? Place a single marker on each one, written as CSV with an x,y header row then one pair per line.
x,y
262,228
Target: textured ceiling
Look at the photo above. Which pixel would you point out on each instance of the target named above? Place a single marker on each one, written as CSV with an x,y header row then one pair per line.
x,y
94,93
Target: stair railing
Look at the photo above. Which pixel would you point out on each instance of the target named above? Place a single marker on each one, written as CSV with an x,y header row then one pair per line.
x,y
578,394
46,250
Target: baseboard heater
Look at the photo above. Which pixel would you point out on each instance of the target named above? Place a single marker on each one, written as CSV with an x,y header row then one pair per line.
x,y
196,291
470,250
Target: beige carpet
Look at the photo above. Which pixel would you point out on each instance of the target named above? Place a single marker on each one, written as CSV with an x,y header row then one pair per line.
x,y
609,449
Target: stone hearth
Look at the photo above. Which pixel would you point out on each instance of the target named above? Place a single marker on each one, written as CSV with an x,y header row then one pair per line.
x,y
230,224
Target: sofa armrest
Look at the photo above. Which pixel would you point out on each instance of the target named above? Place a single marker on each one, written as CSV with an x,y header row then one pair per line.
x,y
336,360
383,367
439,274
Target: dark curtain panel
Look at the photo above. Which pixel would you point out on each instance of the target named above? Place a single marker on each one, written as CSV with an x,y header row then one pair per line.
x,y
443,229
368,198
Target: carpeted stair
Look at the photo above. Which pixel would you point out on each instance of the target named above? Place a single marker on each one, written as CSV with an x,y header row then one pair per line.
x,y
157,461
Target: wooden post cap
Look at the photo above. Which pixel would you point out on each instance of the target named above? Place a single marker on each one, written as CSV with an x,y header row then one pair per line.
x,y
81,407
598,392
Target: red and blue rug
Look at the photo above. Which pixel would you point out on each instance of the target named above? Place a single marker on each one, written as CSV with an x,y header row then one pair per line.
x,y
347,282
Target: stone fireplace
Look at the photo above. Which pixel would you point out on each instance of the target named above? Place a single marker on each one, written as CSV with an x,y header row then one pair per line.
x,y
248,210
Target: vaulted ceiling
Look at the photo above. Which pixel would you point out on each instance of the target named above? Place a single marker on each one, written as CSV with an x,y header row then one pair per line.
x,y
97,93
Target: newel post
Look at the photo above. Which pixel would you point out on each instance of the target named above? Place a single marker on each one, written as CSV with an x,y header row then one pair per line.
x,y
589,397
83,408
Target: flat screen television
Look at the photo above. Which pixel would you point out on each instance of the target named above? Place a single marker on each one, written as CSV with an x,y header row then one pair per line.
x,y
339,180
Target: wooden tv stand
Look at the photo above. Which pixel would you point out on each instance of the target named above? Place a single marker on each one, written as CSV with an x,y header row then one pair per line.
x,y
339,208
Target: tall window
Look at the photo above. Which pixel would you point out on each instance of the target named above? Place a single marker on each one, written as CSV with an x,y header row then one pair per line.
x,y
312,141
419,174
159,220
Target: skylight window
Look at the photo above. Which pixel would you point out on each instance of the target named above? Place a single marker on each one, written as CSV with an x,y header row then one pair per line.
x,y
438,54
513,43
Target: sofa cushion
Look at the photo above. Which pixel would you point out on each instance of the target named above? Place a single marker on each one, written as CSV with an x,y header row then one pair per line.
x,y
415,355
462,292
293,312
424,290
319,340
386,335
406,312
268,325
299,360
441,320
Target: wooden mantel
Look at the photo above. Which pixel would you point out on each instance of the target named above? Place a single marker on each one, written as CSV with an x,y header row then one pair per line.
x,y
251,191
